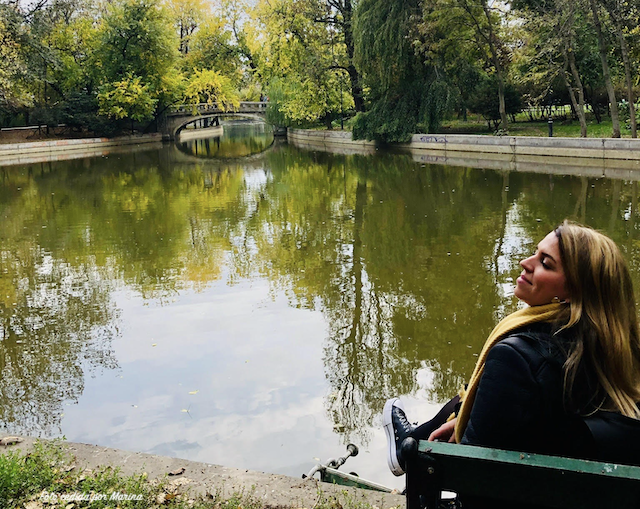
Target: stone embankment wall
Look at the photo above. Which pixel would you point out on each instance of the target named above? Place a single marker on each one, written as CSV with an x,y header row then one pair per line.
x,y
597,148
590,157
591,148
195,134
333,141
41,151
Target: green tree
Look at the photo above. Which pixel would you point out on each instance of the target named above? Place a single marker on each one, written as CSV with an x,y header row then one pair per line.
x,y
484,101
127,98
136,44
464,23
403,91
339,18
621,13
606,71
549,53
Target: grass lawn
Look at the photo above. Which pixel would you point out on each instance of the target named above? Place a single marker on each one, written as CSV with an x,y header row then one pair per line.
x,y
522,127
47,478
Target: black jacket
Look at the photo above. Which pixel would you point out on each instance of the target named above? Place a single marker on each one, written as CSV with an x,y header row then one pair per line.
x,y
520,406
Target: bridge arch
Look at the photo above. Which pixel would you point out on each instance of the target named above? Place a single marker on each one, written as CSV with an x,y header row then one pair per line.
x,y
179,116
187,121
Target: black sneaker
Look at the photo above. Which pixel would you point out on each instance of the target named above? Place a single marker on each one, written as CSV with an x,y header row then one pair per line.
x,y
397,428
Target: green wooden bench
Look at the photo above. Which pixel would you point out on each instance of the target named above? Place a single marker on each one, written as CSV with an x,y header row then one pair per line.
x,y
517,478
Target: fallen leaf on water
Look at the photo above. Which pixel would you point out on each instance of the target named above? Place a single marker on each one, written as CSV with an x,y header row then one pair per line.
x,y
194,392
184,410
179,471
10,440
154,344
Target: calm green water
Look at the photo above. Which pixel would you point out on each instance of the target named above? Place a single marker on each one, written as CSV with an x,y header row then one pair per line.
x,y
256,312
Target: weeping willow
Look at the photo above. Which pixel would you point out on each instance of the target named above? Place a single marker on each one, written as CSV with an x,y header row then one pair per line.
x,y
403,91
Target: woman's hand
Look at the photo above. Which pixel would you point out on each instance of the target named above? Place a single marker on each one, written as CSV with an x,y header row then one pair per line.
x,y
445,433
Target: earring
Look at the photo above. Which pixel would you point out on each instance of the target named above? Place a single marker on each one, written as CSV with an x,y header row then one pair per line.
x,y
556,300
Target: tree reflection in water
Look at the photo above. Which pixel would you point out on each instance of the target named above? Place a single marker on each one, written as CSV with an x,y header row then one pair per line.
x,y
72,233
411,266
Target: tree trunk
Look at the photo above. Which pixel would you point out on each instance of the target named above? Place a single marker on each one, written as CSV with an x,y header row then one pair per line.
x,y
354,76
615,120
574,102
503,106
578,82
627,73
496,63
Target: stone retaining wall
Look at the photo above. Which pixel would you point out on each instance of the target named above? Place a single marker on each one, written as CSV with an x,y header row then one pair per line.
x,y
518,146
204,132
38,151
336,141
595,148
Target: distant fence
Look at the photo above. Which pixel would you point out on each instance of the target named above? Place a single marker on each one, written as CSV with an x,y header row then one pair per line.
x,y
32,127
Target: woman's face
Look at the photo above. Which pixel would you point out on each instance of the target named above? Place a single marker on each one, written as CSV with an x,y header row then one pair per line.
x,y
543,276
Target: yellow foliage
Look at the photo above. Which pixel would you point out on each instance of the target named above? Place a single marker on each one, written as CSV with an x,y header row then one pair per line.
x,y
209,86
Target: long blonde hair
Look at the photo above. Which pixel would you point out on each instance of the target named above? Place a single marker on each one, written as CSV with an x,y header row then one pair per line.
x,y
602,313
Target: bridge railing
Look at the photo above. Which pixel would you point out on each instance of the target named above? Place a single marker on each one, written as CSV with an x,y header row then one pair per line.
x,y
245,107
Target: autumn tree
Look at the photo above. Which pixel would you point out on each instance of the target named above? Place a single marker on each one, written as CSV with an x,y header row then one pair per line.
x,y
211,87
213,47
187,15
135,58
295,57
13,92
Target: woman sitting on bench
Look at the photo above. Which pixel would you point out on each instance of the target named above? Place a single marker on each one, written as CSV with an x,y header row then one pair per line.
x,y
560,377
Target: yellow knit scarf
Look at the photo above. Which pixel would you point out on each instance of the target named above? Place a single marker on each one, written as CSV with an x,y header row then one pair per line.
x,y
521,318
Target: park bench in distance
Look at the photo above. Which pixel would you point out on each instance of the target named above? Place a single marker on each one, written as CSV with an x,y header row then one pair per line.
x,y
518,478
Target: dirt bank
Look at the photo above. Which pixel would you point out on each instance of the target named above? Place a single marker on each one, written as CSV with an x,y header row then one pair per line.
x,y
273,490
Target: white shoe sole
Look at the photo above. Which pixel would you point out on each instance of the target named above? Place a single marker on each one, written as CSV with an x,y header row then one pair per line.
x,y
392,453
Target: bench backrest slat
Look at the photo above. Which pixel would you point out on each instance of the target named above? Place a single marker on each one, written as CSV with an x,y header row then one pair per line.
x,y
548,481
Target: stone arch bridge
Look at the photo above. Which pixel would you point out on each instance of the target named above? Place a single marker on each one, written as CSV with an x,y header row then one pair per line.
x,y
177,117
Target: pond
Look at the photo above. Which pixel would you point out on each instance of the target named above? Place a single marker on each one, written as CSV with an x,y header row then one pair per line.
x,y
257,311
